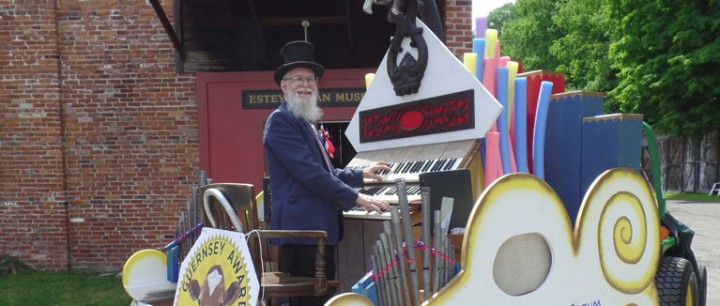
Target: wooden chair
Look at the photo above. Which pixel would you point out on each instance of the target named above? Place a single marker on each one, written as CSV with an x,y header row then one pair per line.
x,y
232,206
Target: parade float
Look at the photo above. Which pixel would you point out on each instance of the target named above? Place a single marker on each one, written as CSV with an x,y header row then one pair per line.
x,y
566,215
562,212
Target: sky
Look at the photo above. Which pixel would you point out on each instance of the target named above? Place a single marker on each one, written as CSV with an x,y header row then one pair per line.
x,y
483,7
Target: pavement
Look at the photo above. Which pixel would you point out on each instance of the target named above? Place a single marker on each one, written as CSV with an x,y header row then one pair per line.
x,y
704,219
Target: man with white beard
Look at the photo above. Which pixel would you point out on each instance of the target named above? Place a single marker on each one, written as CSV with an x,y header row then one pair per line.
x,y
308,193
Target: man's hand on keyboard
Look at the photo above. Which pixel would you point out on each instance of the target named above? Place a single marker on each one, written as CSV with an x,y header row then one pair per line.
x,y
371,204
372,171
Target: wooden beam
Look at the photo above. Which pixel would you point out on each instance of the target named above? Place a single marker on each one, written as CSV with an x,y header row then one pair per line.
x,y
168,28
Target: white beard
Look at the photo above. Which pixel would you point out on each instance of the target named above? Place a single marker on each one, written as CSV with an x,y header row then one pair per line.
x,y
304,108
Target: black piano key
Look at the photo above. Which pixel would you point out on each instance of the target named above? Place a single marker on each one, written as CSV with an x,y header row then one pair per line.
x,y
392,191
433,165
412,167
442,166
383,190
405,167
450,163
415,164
413,190
423,165
437,165
426,165
409,166
399,167
396,167
416,167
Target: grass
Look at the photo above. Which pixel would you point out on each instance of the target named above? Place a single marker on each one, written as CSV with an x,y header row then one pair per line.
x,y
31,287
695,197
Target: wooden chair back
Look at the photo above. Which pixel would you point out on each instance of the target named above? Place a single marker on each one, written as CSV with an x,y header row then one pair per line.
x,y
240,197
232,206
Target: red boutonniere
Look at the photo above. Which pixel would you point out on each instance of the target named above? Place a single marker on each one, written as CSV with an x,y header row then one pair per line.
x,y
329,147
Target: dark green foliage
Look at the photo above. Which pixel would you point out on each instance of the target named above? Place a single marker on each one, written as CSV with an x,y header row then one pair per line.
x,y
583,50
657,58
669,57
529,34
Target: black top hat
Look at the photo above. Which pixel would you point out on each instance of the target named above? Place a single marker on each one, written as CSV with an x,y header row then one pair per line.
x,y
297,53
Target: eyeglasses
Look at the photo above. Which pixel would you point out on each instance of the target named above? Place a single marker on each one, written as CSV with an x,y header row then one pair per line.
x,y
300,79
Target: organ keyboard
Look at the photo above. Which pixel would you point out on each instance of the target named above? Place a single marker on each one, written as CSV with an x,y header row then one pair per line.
x,y
389,193
361,213
408,163
409,170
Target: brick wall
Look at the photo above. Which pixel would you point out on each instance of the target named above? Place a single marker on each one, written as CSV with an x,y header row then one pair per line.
x,y
99,143
32,196
458,26
98,76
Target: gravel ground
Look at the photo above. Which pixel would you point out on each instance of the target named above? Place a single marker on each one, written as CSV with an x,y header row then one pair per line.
x,y
704,219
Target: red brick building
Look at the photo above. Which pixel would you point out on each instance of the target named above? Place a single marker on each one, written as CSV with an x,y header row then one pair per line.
x,y
99,142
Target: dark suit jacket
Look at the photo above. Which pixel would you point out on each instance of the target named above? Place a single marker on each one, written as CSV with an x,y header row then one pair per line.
x,y
305,194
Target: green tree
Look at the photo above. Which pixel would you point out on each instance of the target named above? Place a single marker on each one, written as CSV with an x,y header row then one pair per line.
x,y
582,52
668,55
529,33
498,17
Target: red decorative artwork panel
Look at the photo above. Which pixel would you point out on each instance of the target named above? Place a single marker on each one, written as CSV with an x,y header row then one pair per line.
x,y
440,114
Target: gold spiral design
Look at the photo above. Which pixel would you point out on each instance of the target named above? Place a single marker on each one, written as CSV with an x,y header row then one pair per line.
x,y
624,218
628,250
